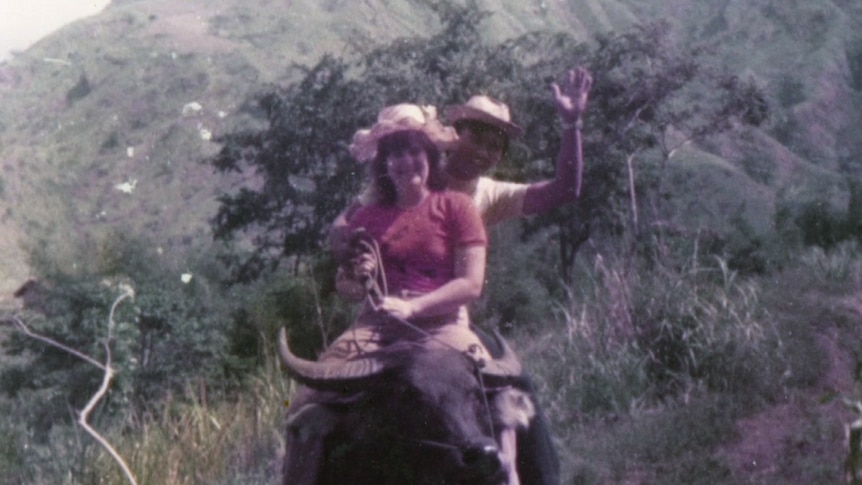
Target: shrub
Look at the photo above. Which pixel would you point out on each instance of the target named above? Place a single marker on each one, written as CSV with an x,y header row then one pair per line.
x,y
704,327
12,450
173,332
819,222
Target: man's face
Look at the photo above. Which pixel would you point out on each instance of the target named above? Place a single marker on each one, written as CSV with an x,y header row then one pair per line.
x,y
480,148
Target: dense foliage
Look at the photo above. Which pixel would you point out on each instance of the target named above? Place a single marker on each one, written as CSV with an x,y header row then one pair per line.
x,y
646,87
173,334
644,358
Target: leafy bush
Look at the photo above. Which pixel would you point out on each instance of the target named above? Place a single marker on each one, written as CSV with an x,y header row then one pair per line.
x,y
704,327
12,452
520,283
306,304
54,380
836,267
174,332
820,222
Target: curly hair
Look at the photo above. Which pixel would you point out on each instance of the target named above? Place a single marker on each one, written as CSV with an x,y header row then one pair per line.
x,y
398,142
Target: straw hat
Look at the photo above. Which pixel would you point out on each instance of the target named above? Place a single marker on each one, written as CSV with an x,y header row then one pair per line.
x,y
401,117
486,110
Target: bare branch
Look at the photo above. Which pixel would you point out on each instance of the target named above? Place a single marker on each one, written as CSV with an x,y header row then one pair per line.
x,y
632,194
84,414
23,328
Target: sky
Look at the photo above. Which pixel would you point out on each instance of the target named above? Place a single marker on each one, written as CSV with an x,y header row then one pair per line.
x,y
23,22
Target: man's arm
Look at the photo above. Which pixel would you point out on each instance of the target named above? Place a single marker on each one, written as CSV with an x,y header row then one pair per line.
x,y
565,187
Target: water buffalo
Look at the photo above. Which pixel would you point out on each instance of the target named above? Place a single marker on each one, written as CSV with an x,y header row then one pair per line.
x,y
410,415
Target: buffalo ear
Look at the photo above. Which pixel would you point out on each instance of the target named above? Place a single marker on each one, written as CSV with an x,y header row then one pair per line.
x,y
513,408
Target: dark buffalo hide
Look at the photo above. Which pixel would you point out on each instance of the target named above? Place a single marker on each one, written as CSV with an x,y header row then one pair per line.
x,y
408,416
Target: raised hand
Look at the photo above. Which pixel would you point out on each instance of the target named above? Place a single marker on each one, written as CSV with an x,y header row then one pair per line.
x,y
571,98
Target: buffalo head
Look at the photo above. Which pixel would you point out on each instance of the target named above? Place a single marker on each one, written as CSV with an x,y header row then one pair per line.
x,y
407,414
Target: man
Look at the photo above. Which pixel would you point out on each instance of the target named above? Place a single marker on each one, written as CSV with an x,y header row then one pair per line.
x,y
485,128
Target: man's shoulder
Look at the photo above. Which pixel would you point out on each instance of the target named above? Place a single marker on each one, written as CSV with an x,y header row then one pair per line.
x,y
492,188
491,183
498,200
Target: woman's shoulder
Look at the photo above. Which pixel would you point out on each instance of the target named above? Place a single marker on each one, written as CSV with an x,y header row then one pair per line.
x,y
366,214
455,204
453,197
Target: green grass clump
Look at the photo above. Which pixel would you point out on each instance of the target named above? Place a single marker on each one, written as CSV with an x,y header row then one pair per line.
x,y
197,442
632,338
646,370
187,441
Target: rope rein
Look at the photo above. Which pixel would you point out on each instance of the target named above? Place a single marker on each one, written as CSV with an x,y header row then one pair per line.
x,y
375,283
376,289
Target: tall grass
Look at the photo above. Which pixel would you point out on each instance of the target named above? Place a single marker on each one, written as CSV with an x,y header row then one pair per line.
x,y
628,337
839,265
193,441
838,270
670,354
661,359
188,440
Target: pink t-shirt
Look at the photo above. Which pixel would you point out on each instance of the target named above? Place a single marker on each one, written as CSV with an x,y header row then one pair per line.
x,y
418,244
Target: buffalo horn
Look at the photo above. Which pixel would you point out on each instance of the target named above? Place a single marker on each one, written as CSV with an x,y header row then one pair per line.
x,y
311,371
507,365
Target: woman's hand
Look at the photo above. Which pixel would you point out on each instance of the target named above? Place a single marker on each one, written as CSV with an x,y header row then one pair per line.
x,y
398,308
461,290
363,266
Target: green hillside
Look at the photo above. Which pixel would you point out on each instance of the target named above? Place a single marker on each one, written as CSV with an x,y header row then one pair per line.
x,y
134,94
714,351
101,102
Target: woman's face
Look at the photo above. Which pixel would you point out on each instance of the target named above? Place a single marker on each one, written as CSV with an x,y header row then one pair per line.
x,y
408,169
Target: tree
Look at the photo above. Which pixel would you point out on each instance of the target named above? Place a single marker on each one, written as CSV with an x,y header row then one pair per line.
x,y
306,173
645,88
650,97
172,334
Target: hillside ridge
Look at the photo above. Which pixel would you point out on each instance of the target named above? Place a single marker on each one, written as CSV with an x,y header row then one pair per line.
x,y
136,95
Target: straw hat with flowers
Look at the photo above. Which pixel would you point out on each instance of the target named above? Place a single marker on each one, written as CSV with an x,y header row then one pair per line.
x,y
401,117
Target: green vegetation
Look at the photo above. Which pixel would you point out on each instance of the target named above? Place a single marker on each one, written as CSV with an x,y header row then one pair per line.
x,y
656,340
645,86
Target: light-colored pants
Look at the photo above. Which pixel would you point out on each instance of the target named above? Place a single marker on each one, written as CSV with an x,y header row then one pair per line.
x,y
374,331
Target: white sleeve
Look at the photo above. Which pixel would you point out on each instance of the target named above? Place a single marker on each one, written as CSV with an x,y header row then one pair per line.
x,y
499,201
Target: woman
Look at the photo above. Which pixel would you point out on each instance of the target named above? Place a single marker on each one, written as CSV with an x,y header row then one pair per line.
x,y
427,252
432,242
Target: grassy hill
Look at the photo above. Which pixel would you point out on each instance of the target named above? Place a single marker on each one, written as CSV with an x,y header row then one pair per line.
x,y
103,126
134,94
